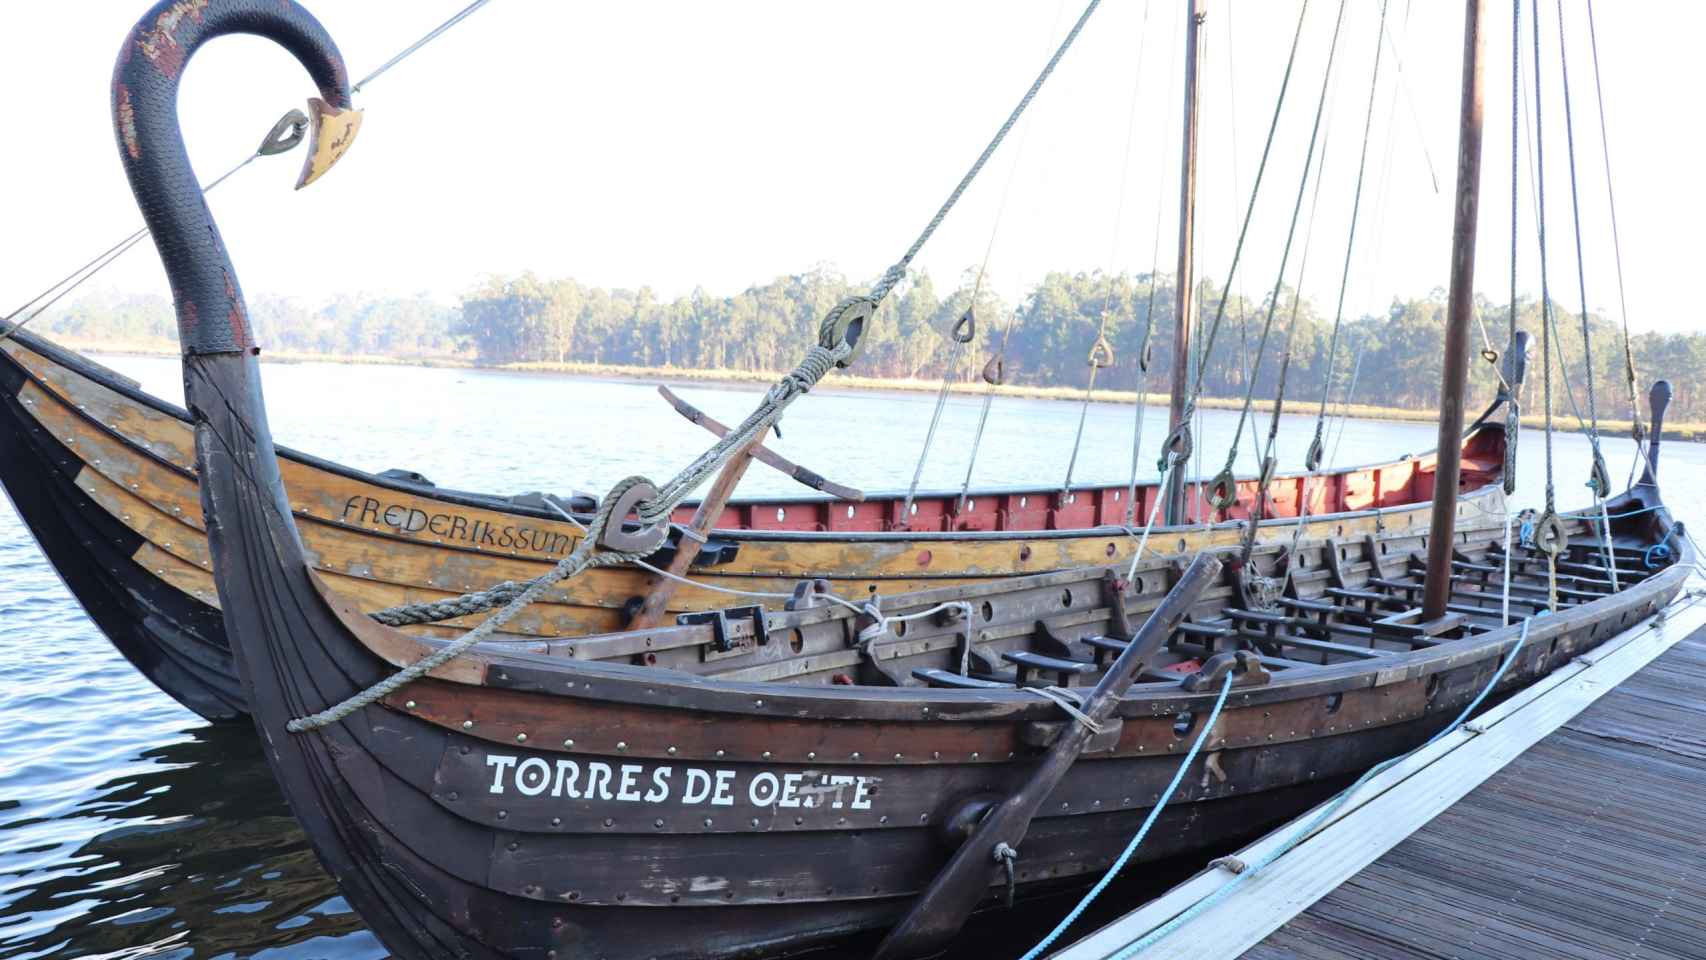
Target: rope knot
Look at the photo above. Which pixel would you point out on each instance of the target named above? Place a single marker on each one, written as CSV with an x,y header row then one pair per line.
x,y
844,327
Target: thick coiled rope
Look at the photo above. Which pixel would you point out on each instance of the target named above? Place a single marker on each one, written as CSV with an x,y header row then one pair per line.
x,y
590,552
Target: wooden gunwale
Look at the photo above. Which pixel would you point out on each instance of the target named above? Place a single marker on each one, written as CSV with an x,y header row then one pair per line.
x,y
103,379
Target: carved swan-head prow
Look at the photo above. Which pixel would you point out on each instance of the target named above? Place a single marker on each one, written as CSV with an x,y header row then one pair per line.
x,y
211,314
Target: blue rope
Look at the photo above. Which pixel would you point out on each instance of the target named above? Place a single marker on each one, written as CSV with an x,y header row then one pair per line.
x,y
1143,831
1338,801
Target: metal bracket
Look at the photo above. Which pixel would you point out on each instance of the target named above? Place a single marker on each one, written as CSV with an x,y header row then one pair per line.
x,y
1246,667
721,622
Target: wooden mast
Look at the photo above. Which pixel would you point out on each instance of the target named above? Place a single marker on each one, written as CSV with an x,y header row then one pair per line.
x,y
1442,532
1175,490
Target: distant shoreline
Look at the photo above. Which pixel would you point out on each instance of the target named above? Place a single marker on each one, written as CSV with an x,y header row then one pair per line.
x,y
1563,422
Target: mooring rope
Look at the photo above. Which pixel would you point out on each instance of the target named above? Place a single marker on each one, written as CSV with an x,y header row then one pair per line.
x,y
1142,831
1250,870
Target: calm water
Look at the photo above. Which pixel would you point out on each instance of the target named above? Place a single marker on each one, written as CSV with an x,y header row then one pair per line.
x,y
129,828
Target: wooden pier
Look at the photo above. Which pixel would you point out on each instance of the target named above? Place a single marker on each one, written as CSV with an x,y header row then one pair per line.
x,y
1565,822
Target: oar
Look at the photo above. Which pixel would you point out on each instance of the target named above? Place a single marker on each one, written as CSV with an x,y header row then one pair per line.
x,y
942,910
763,454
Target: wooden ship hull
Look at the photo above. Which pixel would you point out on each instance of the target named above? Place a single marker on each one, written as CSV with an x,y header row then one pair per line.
x,y
763,782
524,802
104,475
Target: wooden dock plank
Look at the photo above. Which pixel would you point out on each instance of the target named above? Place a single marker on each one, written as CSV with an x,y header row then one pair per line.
x,y
1586,846
1589,845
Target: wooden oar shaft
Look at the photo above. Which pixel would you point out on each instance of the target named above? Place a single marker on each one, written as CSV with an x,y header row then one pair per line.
x,y
942,910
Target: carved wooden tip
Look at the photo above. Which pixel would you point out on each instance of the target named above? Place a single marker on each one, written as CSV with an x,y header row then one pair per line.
x,y
330,133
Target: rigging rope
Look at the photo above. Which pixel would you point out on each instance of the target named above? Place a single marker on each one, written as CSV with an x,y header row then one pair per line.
x,y
1598,480
894,273
1223,491
1548,527
1616,242
838,337
117,250
1101,352
995,371
409,51
1513,408
1313,459
1180,437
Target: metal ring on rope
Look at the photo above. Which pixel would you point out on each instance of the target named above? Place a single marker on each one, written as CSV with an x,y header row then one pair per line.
x,y
1599,479
1551,537
1177,447
965,329
846,325
642,541
1101,352
1270,466
285,134
995,371
1491,356
1145,354
1317,449
1223,492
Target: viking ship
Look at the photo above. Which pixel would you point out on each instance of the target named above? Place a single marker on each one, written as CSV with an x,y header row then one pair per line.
x,y
104,476
753,781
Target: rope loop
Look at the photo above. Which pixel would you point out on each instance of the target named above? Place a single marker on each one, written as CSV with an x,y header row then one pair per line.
x,y
1101,353
1317,448
995,371
1223,492
1145,353
844,326
1551,537
285,134
1177,448
624,498
966,328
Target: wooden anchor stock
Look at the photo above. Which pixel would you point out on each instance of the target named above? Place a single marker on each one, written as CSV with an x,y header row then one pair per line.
x,y
942,910
765,455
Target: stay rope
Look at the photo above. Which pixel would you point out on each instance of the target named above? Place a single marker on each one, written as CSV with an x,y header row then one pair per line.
x,y
1313,459
1616,241
1548,520
605,545
273,144
1179,438
1599,481
1101,352
1223,490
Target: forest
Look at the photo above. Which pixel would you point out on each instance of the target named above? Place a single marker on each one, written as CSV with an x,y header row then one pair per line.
x,y
1393,357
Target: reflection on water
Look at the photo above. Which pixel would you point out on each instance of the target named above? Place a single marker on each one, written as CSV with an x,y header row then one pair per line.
x,y
129,828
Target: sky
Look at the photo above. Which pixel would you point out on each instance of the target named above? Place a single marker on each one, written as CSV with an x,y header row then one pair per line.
x,y
680,144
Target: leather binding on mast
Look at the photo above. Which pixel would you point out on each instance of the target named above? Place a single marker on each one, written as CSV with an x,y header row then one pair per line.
x,y
1461,303
1182,285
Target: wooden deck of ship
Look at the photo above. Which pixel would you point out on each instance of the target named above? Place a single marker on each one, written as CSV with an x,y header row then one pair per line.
x,y
1586,841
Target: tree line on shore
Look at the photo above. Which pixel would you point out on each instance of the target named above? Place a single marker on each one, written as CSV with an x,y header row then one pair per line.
x,y
1046,339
